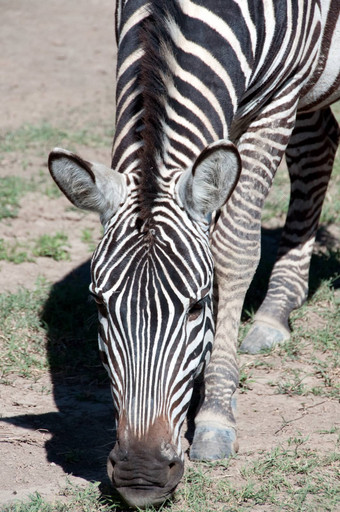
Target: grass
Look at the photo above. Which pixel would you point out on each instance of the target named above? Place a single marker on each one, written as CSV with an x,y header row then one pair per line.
x,y
45,328
22,340
46,135
48,246
290,478
12,189
303,475
293,386
52,246
13,252
245,379
310,359
88,239
78,500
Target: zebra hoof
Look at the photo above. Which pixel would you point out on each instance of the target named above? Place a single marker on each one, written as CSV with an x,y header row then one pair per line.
x,y
211,443
263,337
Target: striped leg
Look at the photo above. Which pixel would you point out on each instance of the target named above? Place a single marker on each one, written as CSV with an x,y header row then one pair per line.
x,y
236,250
310,157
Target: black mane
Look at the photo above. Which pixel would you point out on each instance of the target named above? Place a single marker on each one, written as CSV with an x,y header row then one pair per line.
x,y
153,67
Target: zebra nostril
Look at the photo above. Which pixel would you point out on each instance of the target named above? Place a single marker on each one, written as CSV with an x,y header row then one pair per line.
x,y
117,454
175,472
112,460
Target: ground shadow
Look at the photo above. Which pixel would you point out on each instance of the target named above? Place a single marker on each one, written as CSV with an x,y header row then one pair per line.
x,y
324,266
83,431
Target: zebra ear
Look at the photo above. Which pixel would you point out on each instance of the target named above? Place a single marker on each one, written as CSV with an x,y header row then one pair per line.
x,y
212,179
87,185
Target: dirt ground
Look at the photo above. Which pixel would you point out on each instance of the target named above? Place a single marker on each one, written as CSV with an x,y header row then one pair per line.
x,y
56,64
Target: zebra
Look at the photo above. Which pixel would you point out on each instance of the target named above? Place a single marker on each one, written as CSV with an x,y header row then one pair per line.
x,y
209,98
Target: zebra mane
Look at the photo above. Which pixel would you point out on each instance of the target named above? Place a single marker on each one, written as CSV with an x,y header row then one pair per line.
x,y
153,68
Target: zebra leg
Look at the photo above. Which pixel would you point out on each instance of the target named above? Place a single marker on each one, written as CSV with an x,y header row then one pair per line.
x,y
236,250
310,155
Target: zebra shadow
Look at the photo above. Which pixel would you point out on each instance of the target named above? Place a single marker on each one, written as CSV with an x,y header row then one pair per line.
x,y
84,427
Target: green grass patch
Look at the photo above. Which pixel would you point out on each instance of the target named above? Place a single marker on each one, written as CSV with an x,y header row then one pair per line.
x,y
292,478
45,135
245,379
74,499
47,246
88,239
12,189
292,386
30,135
50,327
13,252
22,340
314,346
52,246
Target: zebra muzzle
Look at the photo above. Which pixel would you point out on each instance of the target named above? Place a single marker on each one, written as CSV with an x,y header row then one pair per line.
x,y
144,475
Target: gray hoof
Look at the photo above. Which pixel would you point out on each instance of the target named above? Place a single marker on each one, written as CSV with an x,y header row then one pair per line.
x,y
213,443
263,337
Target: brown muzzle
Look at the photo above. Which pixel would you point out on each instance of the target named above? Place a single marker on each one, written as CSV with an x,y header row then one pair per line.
x,y
144,471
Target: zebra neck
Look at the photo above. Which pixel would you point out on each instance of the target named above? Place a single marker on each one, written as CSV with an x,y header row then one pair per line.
x,y
174,95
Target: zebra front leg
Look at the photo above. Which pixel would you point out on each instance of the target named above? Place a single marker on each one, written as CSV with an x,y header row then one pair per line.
x,y
236,251
310,156
215,433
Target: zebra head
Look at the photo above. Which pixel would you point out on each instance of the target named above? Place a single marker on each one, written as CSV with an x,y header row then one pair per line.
x,y
152,279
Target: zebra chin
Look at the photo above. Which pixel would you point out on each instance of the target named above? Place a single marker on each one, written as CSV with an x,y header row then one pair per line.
x,y
144,475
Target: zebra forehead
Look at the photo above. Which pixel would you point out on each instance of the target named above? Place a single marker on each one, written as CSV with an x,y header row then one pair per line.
x,y
156,265
162,256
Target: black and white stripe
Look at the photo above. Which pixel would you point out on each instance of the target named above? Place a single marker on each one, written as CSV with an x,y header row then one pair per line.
x,y
154,292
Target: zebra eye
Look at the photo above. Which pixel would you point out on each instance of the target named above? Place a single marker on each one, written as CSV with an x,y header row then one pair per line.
x,y
195,310
96,298
100,305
